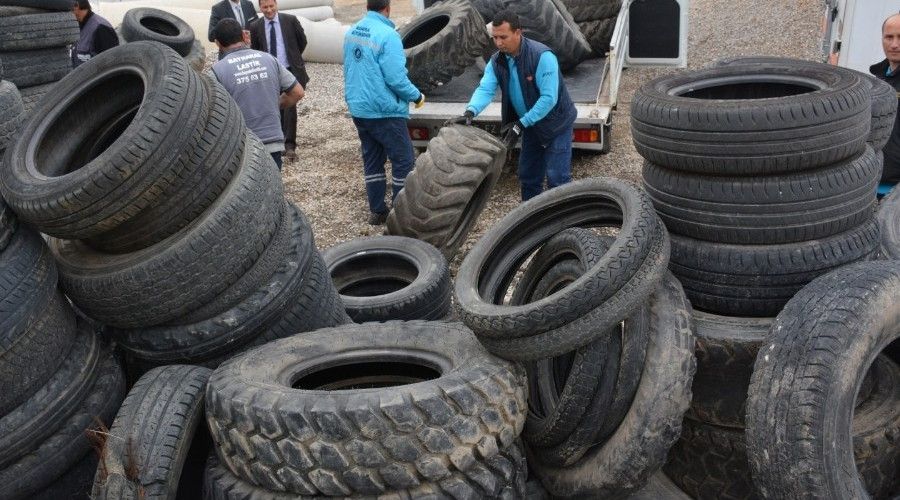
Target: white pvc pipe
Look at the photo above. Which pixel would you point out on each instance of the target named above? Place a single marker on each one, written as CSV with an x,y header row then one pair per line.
x,y
312,13
325,40
295,4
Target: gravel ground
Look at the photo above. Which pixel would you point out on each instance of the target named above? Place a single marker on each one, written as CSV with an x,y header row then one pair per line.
x,y
325,181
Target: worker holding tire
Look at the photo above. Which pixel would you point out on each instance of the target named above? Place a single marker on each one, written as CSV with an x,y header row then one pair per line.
x,y
536,106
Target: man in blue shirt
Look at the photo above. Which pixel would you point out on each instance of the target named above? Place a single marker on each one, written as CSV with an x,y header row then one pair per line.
x,y
536,106
378,92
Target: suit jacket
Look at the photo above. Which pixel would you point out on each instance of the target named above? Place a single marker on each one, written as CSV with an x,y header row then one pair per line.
x,y
294,42
223,10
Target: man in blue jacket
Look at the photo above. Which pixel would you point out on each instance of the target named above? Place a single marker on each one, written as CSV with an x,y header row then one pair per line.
x,y
378,93
535,105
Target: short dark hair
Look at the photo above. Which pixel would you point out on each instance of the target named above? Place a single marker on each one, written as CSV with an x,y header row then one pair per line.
x,y
507,16
377,5
82,4
228,32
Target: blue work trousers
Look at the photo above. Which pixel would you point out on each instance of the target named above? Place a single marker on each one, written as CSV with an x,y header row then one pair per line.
x,y
384,138
553,161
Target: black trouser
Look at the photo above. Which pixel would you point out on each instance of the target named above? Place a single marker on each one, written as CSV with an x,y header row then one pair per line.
x,y
289,118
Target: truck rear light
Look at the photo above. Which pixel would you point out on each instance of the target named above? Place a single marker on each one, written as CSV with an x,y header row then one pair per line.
x,y
418,133
586,135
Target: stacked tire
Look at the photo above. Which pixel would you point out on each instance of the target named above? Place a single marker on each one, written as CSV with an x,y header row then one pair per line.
x,y
147,23
34,46
603,330
167,215
596,19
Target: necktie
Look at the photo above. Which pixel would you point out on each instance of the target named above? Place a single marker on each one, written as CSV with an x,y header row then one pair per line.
x,y
273,42
240,14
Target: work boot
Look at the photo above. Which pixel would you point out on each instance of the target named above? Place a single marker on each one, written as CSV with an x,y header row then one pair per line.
x,y
377,218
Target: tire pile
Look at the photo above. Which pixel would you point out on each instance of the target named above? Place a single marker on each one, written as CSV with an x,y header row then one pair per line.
x,y
147,23
34,46
765,171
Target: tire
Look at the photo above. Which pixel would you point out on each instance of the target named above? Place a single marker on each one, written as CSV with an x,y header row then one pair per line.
x,y
888,218
74,484
757,280
145,23
449,188
755,210
69,443
33,96
55,5
598,34
592,10
12,114
196,58
744,120
152,434
637,449
390,278
26,68
299,297
8,224
208,163
603,297
442,41
547,22
660,487
122,172
37,328
373,440
38,31
189,269
820,348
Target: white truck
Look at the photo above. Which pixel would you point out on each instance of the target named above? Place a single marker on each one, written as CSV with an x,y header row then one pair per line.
x,y
647,33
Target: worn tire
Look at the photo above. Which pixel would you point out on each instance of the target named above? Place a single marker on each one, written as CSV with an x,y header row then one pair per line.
x,y
757,280
146,23
592,10
187,270
12,114
196,58
38,31
390,278
547,22
760,210
604,296
504,478
637,449
888,218
374,440
598,34
69,442
55,5
8,224
442,41
33,96
448,189
74,484
802,393
77,178
750,119
152,434
26,68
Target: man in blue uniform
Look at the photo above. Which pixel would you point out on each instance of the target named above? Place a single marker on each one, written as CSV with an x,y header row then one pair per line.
x,y
536,106
378,92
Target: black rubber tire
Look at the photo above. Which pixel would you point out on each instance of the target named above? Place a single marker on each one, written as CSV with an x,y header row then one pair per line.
x,y
888,218
502,477
8,224
69,442
189,269
33,96
208,162
38,31
606,294
726,350
819,350
761,210
152,434
299,297
37,328
547,22
598,34
385,278
743,120
339,440
74,484
61,176
146,23
57,5
449,188
637,449
592,10
442,41
757,280
26,68
12,114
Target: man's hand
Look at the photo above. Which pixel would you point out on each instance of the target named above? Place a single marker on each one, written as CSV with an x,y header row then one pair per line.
x,y
511,133
465,118
421,101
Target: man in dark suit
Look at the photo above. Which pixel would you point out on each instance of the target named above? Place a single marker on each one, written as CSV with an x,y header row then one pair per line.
x,y
282,36
240,10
